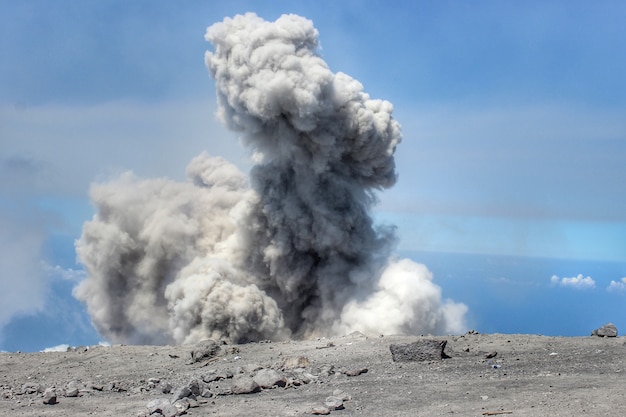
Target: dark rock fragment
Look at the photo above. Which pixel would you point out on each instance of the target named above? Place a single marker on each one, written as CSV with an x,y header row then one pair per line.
x,y
422,350
181,393
49,396
356,372
204,350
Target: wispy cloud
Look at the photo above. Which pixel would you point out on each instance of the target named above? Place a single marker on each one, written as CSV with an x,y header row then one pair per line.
x,y
578,282
106,138
617,286
23,281
66,274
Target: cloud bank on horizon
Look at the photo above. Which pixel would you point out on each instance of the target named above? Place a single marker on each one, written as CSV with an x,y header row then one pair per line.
x,y
291,251
578,282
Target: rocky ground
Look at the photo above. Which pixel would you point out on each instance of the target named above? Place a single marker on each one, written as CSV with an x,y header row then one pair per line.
x,y
485,374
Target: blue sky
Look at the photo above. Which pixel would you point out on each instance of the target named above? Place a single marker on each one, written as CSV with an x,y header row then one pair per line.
x,y
512,113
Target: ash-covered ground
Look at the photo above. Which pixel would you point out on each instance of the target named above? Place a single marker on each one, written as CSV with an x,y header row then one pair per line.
x,y
485,374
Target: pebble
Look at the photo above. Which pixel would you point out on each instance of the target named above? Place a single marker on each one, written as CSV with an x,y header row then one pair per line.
x,y
356,372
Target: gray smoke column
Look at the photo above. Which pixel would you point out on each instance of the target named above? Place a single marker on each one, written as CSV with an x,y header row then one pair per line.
x,y
294,253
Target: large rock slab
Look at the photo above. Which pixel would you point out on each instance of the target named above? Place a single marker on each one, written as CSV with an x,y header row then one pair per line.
x,y
422,350
608,330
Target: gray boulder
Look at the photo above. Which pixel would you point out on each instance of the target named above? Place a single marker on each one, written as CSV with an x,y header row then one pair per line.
x,y
608,330
268,378
244,384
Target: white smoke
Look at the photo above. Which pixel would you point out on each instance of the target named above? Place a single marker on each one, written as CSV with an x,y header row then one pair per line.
x,y
293,254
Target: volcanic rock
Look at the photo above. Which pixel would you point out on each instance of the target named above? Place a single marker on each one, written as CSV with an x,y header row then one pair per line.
x,y
205,349
244,384
422,350
268,378
72,389
49,396
334,403
608,330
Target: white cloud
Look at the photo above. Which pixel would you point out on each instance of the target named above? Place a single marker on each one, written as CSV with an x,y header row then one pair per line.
x,y
66,274
617,286
58,348
579,282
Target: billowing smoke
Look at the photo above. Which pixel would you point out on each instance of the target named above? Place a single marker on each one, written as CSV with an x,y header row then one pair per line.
x,y
290,251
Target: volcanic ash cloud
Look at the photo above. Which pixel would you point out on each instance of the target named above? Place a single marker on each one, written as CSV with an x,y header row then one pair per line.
x,y
290,251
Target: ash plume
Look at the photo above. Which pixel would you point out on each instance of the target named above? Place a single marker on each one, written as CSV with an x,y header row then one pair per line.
x,y
290,250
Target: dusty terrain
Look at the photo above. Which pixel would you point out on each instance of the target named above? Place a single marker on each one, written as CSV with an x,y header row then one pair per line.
x,y
528,376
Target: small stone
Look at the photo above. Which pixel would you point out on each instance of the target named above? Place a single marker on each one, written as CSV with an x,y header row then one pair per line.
x,y
356,372
182,405
169,411
181,392
166,388
31,388
195,387
321,411
72,389
422,350
334,403
95,385
252,367
608,330
211,376
215,375
49,396
326,370
339,393
491,355
156,405
244,385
